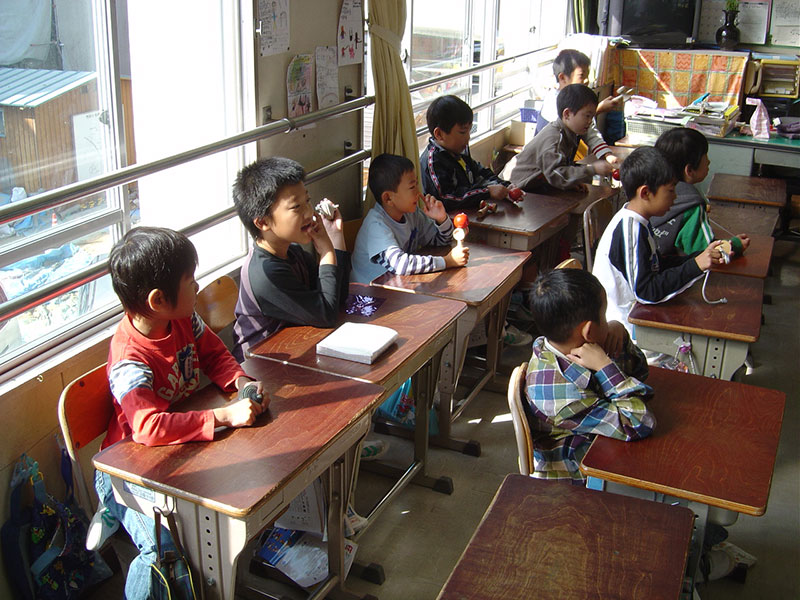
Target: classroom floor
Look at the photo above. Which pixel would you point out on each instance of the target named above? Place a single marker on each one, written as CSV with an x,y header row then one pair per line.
x,y
421,534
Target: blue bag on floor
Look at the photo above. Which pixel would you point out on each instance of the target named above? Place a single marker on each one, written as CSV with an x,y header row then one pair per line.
x,y
399,408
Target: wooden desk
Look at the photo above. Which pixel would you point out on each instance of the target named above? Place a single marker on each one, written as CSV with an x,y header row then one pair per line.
x,y
425,324
226,491
715,444
719,333
725,215
485,286
584,199
748,191
553,540
754,262
520,227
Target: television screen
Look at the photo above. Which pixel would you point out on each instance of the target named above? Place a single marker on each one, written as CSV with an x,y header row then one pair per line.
x,y
659,22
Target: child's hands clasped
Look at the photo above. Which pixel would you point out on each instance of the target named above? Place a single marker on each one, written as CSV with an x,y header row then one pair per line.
x,y
242,413
615,339
709,256
590,355
434,209
333,227
602,167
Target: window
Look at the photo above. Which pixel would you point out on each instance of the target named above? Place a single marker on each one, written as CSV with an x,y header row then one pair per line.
x,y
70,86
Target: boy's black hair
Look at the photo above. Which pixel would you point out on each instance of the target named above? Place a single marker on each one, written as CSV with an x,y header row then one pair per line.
x,y
568,60
645,166
385,173
574,97
683,147
563,299
256,188
146,259
446,112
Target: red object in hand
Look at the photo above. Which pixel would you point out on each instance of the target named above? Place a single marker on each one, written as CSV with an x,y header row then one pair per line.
x,y
461,221
515,194
615,174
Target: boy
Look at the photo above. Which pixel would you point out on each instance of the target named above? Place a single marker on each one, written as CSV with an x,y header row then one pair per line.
x,y
280,282
572,66
584,377
549,157
448,171
685,227
155,360
627,261
396,227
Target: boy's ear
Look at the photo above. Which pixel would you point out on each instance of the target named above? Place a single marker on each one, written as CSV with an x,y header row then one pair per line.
x,y
386,195
438,133
566,113
156,301
562,79
589,332
644,192
262,223
688,173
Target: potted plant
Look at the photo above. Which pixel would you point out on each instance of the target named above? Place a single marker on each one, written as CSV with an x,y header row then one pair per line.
x,y
728,35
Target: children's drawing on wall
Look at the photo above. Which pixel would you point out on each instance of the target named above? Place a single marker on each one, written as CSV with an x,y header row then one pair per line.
x,y
350,38
298,85
273,16
327,76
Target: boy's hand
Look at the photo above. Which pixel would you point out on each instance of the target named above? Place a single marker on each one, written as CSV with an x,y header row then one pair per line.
x,y
745,239
590,355
602,167
434,209
709,256
615,340
334,230
240,413
458,257
610,103
498,192
612,160
319,236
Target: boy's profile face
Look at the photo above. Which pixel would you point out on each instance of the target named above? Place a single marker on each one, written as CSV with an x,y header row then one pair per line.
x,y
187,298
660,201
579,122
579,75
456,140
291,217
404,199
699,174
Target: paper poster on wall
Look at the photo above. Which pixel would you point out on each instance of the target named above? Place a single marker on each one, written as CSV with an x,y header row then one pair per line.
x,y
327,76
350,35
88,135
298,85
273,17
751,20
785,28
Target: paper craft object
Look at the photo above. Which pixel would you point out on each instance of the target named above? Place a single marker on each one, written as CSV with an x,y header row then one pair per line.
x,y
366,306
359,342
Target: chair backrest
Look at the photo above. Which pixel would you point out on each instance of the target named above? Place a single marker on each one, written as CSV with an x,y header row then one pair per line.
x,y
84,411
596,218
522,430
216,303
570,263
350,231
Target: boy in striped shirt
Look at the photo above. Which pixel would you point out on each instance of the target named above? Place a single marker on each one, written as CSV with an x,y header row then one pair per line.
x,y
396,227
584,377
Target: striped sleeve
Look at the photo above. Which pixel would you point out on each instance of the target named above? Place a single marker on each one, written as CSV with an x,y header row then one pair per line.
x,y
394,260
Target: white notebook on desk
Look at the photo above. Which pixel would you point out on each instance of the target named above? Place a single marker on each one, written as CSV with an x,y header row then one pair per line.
x,y
360,342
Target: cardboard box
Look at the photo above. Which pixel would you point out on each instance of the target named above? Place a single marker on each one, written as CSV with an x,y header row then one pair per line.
x,y
521,133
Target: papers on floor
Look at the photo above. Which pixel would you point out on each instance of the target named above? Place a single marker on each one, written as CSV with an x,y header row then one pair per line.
x,y
306,512
302,556
360,342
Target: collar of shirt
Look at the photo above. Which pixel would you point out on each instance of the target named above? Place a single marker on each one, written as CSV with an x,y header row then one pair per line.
x,y
571,371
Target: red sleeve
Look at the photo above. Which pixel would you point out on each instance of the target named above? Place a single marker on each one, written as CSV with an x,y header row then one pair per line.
x,y
216,361
152,425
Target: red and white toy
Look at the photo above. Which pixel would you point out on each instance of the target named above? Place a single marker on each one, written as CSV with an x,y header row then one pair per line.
x,y
486,207
461,227
516,195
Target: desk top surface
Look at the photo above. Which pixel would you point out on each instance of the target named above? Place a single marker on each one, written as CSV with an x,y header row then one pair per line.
x,y
488,269
775,142
715,442
741,219
418,320
739,319
584,199
553,540
764,191
754,262
535,213
244,467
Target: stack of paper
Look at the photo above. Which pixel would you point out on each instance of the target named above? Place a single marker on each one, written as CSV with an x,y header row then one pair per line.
x,y
714,118
360,342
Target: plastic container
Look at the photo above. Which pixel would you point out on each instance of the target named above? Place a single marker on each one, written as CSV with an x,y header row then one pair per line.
x,y
530,112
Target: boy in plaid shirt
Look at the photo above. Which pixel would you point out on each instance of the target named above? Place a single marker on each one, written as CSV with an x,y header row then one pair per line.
x,y
574,388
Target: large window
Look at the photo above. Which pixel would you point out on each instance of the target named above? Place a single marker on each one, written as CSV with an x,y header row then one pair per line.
x,y
88,87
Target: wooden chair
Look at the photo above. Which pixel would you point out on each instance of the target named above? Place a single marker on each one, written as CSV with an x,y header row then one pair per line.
x,y
522,430
570,263
84,410
350,231
216,303
595,220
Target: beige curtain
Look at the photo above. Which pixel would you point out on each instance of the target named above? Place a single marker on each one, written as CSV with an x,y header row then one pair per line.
x,y
393,125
